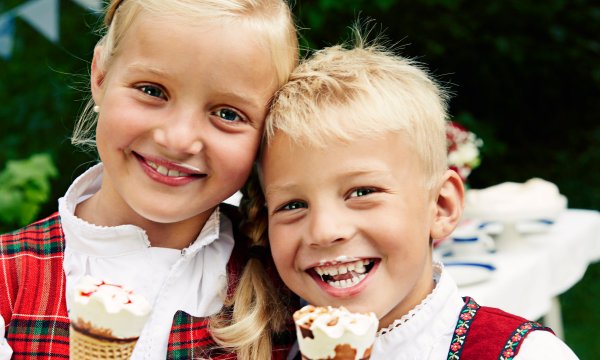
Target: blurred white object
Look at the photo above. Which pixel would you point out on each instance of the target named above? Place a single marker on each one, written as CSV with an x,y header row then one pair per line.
x,y
510,201
234,199
469,273
477,244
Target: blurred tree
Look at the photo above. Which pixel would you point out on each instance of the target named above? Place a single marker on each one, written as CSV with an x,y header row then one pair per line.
x,y
525,74
43,86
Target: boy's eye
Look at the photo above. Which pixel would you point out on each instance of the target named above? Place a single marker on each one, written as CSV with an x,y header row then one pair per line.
x,y
361,192
153,91
293,205
228,114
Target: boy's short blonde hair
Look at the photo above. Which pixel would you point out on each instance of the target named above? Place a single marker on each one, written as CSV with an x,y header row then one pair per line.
x,y
341,94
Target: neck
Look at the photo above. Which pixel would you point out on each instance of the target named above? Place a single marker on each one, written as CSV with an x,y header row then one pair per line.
x,y
175,235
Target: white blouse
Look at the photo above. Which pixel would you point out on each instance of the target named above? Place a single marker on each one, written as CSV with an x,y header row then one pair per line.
x,y
192,279
426,331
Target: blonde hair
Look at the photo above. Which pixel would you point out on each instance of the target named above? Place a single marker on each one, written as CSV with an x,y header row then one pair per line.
x,y
246,323
271,19
342,93
259,309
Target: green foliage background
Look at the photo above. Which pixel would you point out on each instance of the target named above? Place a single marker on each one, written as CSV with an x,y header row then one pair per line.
x,y
525,74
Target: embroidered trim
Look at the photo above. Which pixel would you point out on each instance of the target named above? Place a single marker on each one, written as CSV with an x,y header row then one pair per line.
x,y
462,328
508,352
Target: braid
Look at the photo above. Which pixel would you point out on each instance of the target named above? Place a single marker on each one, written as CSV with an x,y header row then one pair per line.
x,y
257,310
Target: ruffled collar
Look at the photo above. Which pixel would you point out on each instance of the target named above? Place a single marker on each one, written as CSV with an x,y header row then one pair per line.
x,y
114,240
427,321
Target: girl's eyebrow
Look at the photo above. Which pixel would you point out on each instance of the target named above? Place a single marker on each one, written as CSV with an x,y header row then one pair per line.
x,y
146,68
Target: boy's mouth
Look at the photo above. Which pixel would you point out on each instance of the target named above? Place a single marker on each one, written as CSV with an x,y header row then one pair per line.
x,y
342,275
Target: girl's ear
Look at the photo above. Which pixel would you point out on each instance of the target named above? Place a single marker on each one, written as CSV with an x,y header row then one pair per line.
x,y
97,75
449,205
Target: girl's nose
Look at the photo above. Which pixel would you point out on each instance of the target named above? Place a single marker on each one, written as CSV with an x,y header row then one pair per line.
x,y
329,227
181,133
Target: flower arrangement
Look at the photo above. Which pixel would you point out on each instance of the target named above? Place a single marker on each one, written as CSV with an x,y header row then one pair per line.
x,y
463,149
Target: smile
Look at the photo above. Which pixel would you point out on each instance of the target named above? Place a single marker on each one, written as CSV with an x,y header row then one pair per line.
x,y
166,172
344,275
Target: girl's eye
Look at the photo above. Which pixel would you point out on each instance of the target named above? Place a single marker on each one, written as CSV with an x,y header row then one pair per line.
x,y
228,114
293,205
153,91
361,192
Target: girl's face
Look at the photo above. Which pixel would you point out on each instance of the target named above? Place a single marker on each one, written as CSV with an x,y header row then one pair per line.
x,y
181,114
350,224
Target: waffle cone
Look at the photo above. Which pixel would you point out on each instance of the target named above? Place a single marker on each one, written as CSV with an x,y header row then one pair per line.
x,y
86,347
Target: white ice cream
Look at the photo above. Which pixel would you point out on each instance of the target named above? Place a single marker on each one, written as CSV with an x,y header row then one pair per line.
x,y
108,310
321,329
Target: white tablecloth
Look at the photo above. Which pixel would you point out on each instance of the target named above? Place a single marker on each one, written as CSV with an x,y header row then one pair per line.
x,y
538,267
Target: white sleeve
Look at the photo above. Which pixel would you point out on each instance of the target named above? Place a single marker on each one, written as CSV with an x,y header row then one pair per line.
x,y
543,345
5,350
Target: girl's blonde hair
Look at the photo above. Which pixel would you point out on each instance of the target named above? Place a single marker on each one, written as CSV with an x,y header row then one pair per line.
x,y
271,19
247,321
342,94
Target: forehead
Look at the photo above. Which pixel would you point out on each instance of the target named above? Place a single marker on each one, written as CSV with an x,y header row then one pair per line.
x,y
223,57
285,160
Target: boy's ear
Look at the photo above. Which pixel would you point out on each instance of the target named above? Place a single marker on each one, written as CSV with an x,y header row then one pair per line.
x,y
97,75
449,205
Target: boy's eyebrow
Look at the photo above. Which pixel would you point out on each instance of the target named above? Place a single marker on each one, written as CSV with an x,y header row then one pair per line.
x,y
339,177
279,188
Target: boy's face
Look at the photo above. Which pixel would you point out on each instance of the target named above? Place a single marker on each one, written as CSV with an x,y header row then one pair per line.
x,y
350,224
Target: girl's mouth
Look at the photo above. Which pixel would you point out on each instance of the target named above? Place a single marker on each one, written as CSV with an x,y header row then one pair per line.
x,y
168,173
343,275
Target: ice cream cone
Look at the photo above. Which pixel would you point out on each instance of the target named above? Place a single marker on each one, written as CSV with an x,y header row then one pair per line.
x,y
106,320
86,347
328,333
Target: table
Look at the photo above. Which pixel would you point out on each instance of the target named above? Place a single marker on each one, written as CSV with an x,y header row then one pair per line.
x,y
533,271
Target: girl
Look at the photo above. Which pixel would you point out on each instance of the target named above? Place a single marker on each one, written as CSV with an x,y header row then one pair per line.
x,y
180,90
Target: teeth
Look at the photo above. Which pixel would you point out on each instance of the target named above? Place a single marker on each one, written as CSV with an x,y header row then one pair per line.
x,y
358,268
339,269
164,171
342,284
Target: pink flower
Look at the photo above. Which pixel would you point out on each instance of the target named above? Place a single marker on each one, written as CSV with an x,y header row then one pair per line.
x,y
463,149
508,353
460,331
466,316
455,346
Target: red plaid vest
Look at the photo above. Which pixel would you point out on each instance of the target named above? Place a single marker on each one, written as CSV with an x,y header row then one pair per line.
x,y
32,300
485,333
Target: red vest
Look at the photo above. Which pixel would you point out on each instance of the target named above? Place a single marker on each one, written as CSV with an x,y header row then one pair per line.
x,y
32,300
485,333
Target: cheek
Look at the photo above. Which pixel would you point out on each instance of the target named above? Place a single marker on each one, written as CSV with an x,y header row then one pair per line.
x,y
237,154
282,247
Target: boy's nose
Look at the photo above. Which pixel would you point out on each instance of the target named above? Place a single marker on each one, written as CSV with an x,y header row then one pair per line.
x,y
329,227
181,133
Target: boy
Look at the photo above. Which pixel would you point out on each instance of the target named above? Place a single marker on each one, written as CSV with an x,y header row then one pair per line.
x,y
357,187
